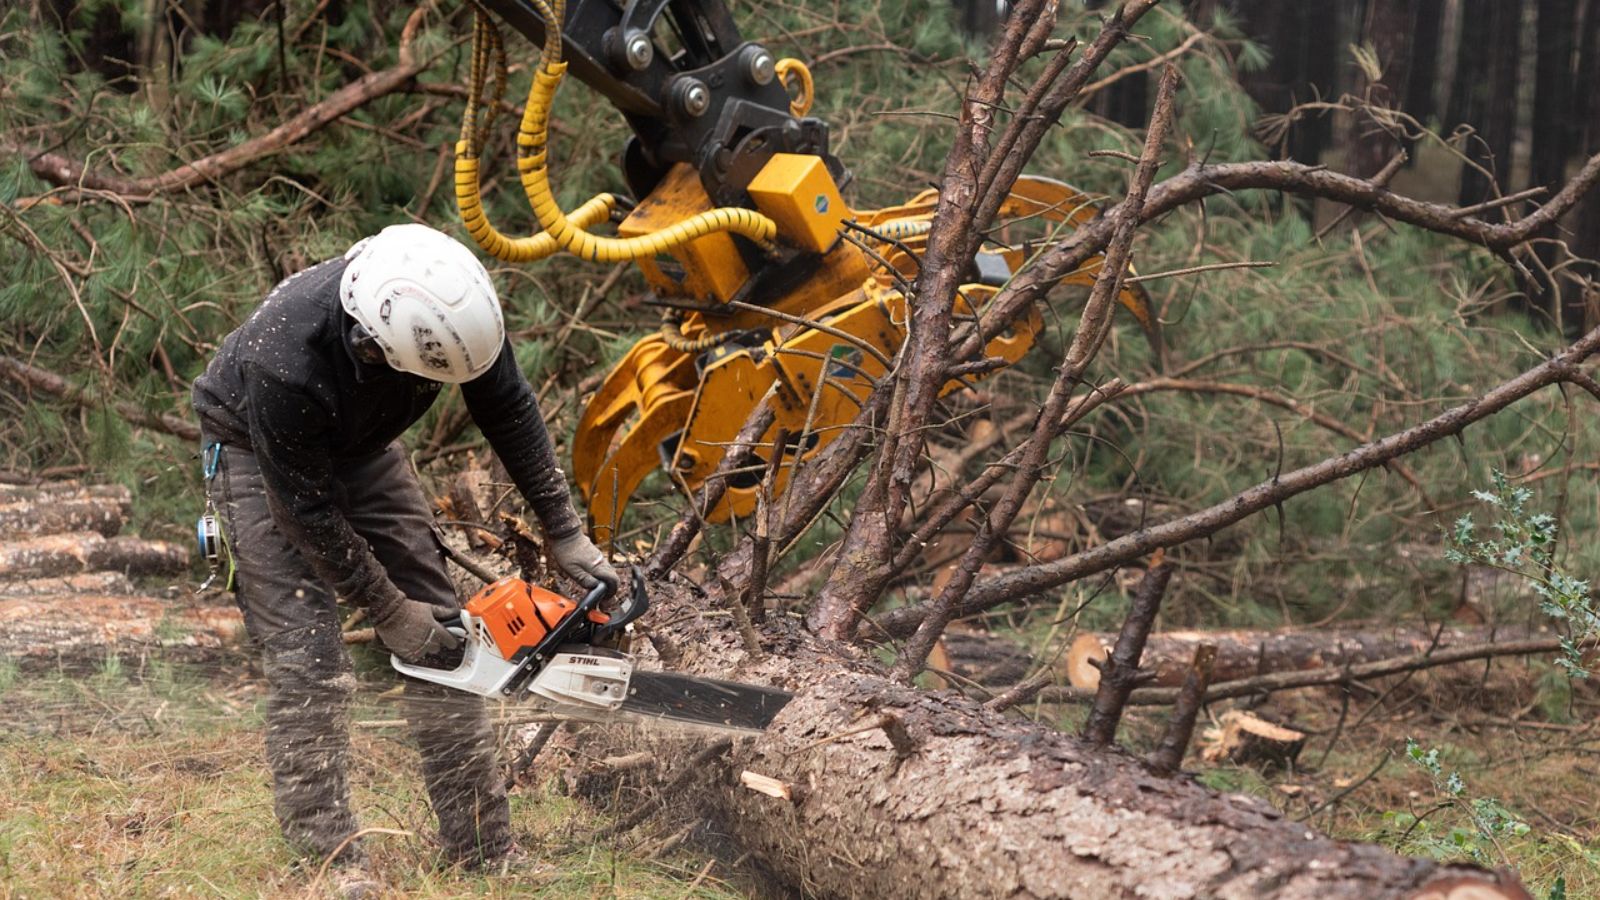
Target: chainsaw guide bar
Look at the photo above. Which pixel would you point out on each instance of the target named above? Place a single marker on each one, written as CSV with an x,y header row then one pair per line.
x,y
707,702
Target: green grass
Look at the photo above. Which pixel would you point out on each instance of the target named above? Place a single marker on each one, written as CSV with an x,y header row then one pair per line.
x,y
128,785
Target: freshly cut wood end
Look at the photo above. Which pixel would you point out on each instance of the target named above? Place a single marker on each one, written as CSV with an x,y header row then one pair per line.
x,y
1086,650
1469,887
1244,739
762,784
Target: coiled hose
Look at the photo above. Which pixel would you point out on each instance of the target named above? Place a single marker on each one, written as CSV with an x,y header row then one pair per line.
x,y
899,229
488,53
672,335
569,233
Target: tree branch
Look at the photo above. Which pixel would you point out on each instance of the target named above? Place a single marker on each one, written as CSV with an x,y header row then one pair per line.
x,y
1019,583
856,580
1093,325
50,383
1200,181
669,551
63,172
1331,675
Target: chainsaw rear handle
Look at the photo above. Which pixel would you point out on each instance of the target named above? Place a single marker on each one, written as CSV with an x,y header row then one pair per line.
x,y
636,605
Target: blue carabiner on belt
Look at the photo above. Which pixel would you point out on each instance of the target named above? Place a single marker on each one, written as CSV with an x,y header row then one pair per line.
x,y
210,459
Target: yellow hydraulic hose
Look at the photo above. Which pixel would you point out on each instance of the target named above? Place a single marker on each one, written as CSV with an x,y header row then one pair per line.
x,y
672,335
469,198
569,233
524,249
900,229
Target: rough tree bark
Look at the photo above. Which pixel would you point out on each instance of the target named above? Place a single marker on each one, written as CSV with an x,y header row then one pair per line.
x,y
973,804
64,554
100,508
1485,93
1385,27
975,184
83,628
65,591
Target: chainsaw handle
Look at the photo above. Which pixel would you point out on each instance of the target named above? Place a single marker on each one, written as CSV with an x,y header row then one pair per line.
x,y
597,595
636,605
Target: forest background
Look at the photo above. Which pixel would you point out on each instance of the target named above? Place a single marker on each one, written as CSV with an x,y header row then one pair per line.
x,y
123,268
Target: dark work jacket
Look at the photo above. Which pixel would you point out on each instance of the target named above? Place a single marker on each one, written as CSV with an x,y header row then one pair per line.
x,y
286,386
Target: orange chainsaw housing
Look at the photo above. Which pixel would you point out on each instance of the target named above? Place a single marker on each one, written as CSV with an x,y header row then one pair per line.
x,y
518,615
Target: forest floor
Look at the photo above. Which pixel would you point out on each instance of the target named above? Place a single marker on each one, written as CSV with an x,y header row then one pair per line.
x,y
141,781
1514,787
147,779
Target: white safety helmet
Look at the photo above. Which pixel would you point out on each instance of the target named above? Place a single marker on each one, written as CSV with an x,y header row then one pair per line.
x,y
427,302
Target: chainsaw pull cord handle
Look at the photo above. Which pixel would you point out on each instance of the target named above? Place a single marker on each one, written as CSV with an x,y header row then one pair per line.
x,y
533,164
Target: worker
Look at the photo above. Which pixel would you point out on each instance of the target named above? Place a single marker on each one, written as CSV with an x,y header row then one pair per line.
x,y
301,410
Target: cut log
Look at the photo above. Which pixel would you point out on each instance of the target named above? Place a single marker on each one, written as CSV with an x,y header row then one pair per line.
x,y
982,805
1242,654
111,583
1245,739
101,512
65,554
56,489
88,627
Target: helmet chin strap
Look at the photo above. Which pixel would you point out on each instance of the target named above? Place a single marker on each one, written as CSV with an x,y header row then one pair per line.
x,y
364,348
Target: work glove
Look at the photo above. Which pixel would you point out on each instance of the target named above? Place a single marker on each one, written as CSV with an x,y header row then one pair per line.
x,y
410,630
582,561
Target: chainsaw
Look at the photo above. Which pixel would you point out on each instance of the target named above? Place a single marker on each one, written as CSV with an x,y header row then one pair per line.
x,y
530,645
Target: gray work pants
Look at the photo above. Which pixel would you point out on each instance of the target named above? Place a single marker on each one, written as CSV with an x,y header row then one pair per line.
x,y
290,616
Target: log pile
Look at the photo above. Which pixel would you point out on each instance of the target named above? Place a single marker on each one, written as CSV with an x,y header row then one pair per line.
x,y
68,581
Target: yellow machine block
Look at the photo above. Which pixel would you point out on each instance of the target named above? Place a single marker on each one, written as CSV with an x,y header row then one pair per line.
x,y
796,191
711,265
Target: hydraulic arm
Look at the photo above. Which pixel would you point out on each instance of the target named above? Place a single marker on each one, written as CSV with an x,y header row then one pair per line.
x,y
767,278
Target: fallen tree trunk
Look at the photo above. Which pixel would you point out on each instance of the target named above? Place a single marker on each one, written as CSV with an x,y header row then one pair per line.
x,y
64,554
896,792
988,659
111,583
1342,674
50,383
70,487
101,509
1243,654
88,627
